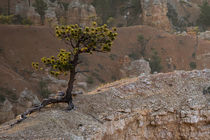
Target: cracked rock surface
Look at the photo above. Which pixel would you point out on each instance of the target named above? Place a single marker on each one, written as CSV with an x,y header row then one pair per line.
x,y
168,106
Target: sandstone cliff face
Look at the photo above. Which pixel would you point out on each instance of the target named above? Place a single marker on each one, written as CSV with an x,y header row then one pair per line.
x,y
163,14
155,14
159,106
65,11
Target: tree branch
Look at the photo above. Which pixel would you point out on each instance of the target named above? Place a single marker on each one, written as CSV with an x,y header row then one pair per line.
x,y
79,71
44,103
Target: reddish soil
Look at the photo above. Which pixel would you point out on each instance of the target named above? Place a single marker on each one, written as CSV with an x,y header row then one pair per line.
x,y
20,45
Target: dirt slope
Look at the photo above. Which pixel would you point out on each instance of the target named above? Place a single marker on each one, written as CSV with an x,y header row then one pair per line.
x,y
20,45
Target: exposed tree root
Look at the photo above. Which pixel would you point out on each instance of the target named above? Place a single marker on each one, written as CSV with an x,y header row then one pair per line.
x,y
44,103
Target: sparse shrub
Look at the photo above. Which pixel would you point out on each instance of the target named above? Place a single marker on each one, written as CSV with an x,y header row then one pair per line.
x,y
193,65
90,80
120,25
43,88
110,21
2,98
193,55
155,63
6,19
206,90
40,7
143,42
26,21
134,55
62,20
140,38
15,19
96,19
8,93
204,18
114,78
65,6
113,56
52,1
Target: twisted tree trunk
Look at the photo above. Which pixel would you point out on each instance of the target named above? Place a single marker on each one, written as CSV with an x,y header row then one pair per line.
x,y
69,90
65,99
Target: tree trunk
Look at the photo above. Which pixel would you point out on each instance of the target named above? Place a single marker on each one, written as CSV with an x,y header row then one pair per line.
x,y
42,18
71,84
29,3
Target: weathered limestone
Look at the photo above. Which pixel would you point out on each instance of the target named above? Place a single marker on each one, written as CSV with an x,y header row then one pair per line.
x,y
159,106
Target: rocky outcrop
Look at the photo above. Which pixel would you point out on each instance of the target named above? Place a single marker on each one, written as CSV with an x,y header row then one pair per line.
x,y
28,99
6,111
63,12
168,14
160,106
205,35
135,68
155,14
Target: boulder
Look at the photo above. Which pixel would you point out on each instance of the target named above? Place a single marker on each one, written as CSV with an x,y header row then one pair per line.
x,y
6,111
205,35
135,68
28,98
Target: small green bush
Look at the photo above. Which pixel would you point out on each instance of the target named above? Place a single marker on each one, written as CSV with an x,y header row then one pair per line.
x,y
2,98
43,89
113,56
110,21
204,18
193,65
140,38
193,55
134,55
143,42
90,80
14,19
114,78
8,93
6,19
155,63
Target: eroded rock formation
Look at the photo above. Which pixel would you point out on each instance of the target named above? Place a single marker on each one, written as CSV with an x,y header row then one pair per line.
x,y
159,106
63,11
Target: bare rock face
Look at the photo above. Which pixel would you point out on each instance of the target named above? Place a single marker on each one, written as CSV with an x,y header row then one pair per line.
x,y
168,106
63,12
166,14
155,14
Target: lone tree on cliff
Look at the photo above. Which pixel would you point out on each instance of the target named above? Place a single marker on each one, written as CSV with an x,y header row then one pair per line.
x,y
40,7
80,41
